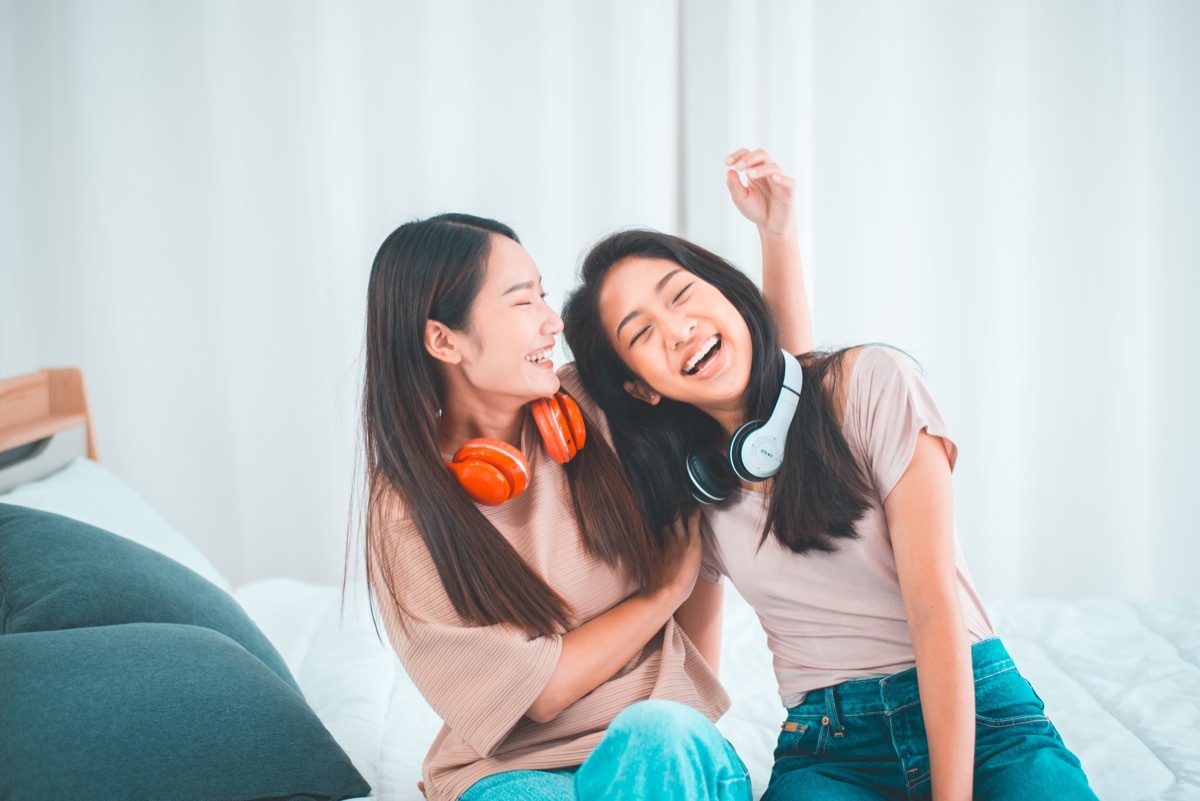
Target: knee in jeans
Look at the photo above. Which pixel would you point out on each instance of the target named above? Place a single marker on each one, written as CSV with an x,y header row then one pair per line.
x,y
664,749
667,718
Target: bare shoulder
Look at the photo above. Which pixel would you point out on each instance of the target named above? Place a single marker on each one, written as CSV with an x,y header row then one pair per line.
x,y
837,380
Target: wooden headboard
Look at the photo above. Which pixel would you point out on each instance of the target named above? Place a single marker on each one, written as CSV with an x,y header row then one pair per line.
x,y
45,422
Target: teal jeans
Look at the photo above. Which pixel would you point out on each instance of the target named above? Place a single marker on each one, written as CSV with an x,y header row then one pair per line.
x,y
865,739
652,751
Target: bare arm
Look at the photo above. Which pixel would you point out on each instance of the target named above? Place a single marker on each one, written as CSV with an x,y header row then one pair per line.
x,y
919,514
700,618
594,652
783,287
767,200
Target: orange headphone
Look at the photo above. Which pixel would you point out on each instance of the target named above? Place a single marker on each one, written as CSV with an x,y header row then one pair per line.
x,y
492,472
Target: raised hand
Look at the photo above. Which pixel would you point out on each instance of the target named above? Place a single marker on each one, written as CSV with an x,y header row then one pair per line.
x,y
767,197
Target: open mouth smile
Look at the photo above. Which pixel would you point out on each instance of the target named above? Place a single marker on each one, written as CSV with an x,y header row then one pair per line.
x,y
703,355
541,356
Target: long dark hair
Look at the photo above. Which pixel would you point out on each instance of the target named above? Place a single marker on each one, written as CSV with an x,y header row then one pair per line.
x,y
432,270
820,492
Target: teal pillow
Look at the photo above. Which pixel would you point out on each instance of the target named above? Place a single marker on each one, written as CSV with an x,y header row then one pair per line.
x,y
157,711
58,573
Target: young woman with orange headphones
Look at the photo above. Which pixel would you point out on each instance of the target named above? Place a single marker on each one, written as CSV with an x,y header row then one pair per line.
x,y
506,551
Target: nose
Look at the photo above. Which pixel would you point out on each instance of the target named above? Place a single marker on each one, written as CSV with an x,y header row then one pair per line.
x,y
678,330
553,324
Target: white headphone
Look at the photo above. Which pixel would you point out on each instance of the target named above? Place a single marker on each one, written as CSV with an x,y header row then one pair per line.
x,y
755,450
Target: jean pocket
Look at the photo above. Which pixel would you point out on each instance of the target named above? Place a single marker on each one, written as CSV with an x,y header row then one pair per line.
x,y
1006,699
798,739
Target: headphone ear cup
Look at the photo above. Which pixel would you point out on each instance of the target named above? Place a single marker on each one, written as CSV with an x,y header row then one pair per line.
x,y
552,424
490,471
574,418
736,443
483,482
708,477
756,449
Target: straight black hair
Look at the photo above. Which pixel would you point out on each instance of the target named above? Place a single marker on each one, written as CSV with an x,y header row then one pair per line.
x,y
432,270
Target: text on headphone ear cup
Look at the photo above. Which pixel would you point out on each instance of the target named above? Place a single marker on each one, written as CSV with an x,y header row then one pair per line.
x,y
553,426
490,471
709,477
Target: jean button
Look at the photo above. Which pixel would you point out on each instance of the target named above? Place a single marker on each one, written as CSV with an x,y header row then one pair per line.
x,y
825,720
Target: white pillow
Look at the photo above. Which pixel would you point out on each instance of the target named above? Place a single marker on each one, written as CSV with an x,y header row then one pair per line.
x,y
86,491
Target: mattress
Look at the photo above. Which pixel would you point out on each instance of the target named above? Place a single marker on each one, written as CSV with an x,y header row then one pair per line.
x,y
1121,680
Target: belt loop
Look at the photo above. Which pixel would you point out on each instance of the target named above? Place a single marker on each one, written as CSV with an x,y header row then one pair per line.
x,y
831,716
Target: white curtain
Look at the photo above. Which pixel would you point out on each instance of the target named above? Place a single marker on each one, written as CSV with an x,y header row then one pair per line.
x,y
1011,193
191,195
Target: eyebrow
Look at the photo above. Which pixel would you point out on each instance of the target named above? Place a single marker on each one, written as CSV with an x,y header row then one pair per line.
x,y
657,288
519,287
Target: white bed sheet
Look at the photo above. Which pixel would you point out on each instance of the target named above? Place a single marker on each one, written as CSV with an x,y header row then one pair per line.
x,y
1121,681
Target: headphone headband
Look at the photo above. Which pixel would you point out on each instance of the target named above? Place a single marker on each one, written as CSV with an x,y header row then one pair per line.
x,y
756,450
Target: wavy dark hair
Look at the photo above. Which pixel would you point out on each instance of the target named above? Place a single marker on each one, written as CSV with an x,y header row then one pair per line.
x,y
819,493
432,270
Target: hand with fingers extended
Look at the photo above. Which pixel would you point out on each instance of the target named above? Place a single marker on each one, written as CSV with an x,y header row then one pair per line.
x,y
684,536
767,197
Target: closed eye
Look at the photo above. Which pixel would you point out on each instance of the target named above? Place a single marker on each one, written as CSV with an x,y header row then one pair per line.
x,y
541,295
638,336
682,292
525,286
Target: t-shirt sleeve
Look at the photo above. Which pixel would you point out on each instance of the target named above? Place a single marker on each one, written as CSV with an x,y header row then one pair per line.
x,y
479,679
889,406
711,566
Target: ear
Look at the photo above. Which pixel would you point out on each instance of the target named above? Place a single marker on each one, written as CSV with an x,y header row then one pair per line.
x,y
641,390
441,342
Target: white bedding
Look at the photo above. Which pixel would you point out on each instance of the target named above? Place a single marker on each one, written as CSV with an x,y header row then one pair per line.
x,y
1121,681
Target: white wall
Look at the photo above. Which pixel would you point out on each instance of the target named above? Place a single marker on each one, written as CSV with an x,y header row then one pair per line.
x,y
191,195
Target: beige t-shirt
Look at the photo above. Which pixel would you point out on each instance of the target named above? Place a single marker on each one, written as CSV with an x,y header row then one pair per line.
x,y
482,680
831,617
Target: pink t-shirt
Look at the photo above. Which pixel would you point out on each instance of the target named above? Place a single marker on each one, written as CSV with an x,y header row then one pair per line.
x,y
831,617
482,679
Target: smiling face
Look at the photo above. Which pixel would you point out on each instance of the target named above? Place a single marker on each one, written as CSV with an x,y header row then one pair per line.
x,y
678,333
506,345
511,329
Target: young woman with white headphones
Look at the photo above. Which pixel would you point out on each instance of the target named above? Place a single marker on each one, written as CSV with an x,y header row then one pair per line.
x,y
829,479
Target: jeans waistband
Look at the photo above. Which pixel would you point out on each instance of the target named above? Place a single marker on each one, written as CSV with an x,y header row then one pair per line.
x,y
890,693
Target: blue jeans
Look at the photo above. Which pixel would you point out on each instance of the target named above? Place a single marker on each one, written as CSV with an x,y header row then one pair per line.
x,y
866,739
651,750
